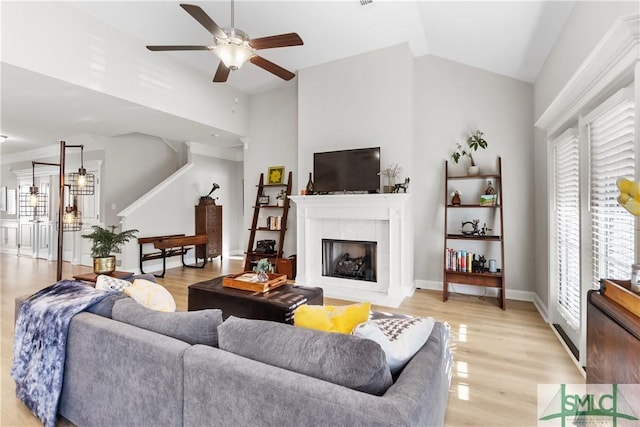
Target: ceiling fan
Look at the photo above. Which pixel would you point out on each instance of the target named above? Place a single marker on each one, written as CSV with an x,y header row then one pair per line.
x,y
234,47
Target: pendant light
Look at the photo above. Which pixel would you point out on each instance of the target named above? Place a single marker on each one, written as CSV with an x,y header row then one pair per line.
x,y
81,183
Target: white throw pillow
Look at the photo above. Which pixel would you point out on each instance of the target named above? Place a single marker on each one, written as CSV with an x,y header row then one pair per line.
x,y
108,283
399,337
151,295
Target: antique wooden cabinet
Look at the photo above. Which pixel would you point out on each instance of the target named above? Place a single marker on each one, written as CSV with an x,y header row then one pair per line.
x,y
209,222
613,334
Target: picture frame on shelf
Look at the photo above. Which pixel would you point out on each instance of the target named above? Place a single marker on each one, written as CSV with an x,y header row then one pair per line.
x,y
275,175
263,200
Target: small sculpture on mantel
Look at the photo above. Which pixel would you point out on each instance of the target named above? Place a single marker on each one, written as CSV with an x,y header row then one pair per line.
x,y
208,200
403,186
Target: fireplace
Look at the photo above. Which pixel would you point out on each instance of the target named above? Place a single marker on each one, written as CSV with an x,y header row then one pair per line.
x,y
349,259
383,219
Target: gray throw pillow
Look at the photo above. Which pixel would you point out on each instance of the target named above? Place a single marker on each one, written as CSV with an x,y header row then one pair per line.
x,y
104,307
353,362
193,327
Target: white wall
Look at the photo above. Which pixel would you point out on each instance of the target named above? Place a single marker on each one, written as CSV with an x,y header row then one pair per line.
x,y
358,102
273,141
586,25
452,100
171,210
76,47
134,164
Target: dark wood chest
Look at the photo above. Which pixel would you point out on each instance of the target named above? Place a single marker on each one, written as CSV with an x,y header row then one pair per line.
x,y
613,334
209,222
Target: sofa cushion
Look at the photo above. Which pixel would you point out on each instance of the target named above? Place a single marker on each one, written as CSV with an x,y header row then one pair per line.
x,y
399,336
151,295
193,327
104,307
346,360
329,318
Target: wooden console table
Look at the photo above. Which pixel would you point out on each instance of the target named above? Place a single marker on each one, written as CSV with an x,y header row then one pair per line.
x,y
613,334
169,246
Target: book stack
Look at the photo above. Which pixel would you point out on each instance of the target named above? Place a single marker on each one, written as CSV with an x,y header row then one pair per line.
x,y
274,222
459,260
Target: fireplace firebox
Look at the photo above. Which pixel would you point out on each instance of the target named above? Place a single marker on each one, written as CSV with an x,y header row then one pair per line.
x,y
349,259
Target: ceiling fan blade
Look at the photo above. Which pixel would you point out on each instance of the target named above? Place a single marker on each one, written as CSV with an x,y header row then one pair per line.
x,y
222,73
282,40
272,68
160,48
204,20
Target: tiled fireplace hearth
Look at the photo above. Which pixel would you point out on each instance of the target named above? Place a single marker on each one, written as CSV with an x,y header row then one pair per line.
x,y
383,221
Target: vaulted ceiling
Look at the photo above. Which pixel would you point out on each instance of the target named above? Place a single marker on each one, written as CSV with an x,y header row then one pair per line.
x,y
511,38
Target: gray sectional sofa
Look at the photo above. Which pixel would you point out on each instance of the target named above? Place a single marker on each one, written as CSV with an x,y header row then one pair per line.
x,y
120,374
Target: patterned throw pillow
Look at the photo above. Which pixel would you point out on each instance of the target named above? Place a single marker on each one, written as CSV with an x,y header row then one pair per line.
x,y
399,336
108,283
151,295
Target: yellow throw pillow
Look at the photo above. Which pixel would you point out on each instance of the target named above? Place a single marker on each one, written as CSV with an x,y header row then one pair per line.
x,y
151,295
331,318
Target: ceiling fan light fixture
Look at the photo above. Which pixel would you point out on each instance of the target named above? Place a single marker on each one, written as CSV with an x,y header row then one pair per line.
x,y
233,56
234,50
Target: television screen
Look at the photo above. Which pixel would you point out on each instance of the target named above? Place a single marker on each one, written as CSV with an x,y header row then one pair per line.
x,y
347,171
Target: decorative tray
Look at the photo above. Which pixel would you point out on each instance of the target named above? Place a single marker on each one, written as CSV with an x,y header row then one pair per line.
x,y
247,281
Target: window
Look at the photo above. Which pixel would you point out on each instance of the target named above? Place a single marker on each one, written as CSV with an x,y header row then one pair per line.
x,y
593,237
610,129
567,224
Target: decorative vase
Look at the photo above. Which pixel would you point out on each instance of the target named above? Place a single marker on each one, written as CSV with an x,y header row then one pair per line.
x,y
455,200
309,186
473,170
104,265
263,277
490,190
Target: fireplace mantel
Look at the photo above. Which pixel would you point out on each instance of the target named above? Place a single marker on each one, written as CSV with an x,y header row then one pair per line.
x,y
383,218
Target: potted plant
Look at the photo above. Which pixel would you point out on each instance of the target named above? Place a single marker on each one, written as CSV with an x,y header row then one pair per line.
x,y
474,142
263,267
105,243
281,197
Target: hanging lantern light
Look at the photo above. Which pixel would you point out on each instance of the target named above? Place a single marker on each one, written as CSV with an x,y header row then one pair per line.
x,y
81,183
33,204
72,218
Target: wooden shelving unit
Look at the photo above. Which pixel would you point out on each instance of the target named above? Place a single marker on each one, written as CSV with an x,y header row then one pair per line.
x,y
278,235
484,278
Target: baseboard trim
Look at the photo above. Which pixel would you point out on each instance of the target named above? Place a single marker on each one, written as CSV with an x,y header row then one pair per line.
x,y
537,302
512,294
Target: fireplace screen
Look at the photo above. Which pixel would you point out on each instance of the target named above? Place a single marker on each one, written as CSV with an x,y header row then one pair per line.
x,y
349,259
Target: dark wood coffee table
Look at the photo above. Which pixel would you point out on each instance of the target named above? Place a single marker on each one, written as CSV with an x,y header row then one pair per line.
x,y
277,305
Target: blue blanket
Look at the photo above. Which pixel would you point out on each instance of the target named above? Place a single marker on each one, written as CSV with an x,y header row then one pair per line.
x,y
40,341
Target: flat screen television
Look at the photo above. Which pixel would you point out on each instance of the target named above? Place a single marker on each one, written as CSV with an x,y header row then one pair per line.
x,y
347,171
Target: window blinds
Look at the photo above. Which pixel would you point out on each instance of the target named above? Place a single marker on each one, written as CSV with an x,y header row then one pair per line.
x,y
612,155
567,224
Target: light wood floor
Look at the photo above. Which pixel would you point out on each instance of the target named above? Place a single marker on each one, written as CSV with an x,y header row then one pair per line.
x,y
500,356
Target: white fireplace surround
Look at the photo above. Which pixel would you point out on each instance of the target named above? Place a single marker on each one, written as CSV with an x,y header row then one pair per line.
x,y
382,218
